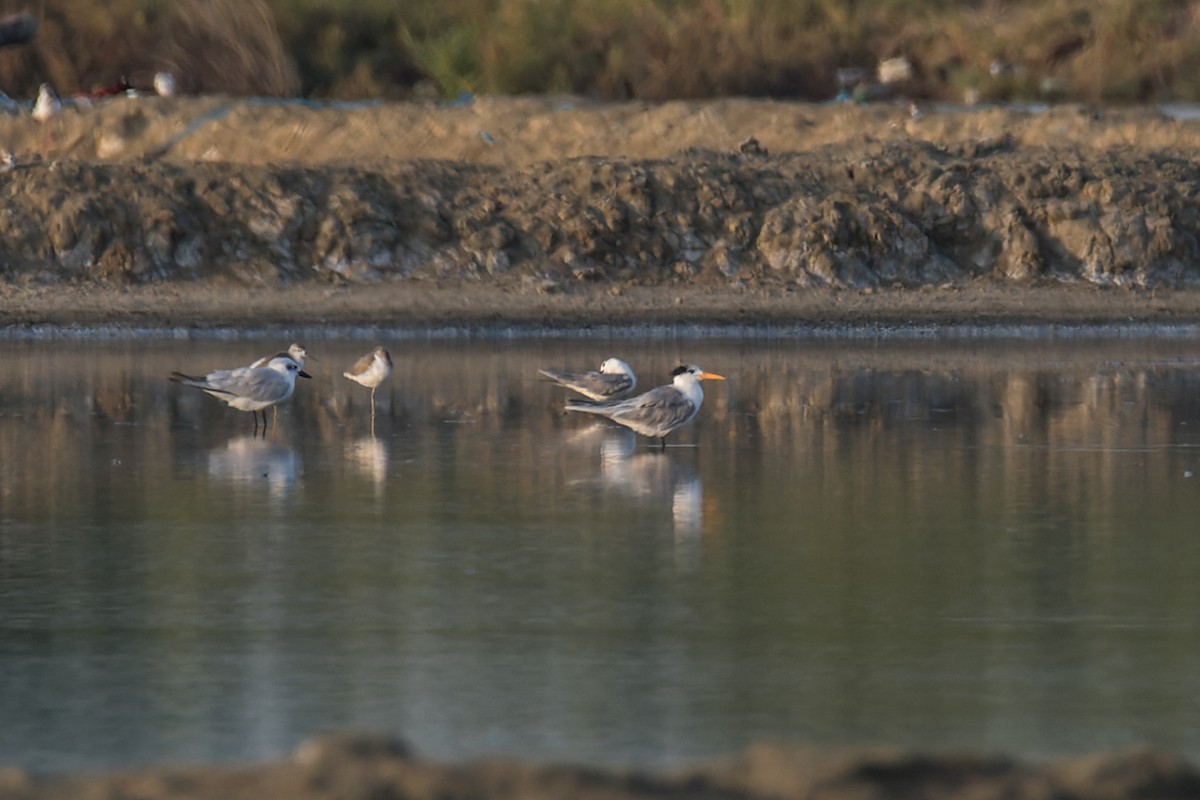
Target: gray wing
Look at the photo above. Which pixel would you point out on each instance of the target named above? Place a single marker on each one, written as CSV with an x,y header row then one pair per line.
x,y
659,409
594,385
263,385
655,413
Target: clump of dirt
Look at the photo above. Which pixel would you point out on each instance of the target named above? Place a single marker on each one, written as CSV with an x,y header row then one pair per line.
x,y
540,196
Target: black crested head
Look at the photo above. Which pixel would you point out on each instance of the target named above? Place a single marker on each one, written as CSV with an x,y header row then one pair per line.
x,y
682,368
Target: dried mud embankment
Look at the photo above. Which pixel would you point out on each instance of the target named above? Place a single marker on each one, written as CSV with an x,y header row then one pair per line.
x,y
350,767
532,198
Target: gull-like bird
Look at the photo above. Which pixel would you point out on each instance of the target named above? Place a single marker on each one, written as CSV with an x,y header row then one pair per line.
x,y
250,388
370,371
614,380
659,411
297,352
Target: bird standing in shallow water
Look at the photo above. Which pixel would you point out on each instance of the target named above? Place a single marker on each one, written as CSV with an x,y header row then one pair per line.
x,y
659,411
614,380
297,352
250,388
370,371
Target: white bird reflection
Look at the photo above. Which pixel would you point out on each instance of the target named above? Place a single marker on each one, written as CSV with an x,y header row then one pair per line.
x,y
250,460
369,456
660,477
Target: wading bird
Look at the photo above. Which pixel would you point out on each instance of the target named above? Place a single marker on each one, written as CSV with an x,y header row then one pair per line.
x,y
297,352
370,371
659,411
250,388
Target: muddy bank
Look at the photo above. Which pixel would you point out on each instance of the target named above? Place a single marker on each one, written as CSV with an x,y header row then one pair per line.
x,y
352,767
739,200
984,307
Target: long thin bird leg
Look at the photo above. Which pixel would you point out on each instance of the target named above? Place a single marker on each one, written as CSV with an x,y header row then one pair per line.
x,y
373,411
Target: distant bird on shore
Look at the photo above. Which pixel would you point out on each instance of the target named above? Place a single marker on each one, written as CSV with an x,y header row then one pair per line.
x,y
659,411
47,106
46,110
297,352
250,389
370,371
614,380
164,84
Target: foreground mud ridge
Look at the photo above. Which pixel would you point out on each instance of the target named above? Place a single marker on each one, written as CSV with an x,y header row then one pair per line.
x,y
543,198
352,767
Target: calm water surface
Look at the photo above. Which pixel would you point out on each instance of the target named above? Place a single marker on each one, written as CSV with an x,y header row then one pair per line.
x,y
982,546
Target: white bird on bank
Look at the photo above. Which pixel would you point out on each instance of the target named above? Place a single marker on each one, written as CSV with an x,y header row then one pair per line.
x,y
250,389
46,110
614,380
297,352
47,106
370,371
659,411
164,84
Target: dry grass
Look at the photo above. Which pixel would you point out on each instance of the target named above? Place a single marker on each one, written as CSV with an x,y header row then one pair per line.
x,y
1090,50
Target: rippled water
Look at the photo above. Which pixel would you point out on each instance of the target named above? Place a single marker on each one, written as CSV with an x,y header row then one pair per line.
x,y
933,544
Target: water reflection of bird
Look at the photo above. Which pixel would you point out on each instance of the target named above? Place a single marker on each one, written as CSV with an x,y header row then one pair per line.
x,y
647,475
370,371
614,380
250,389
659,411
370,457
249,460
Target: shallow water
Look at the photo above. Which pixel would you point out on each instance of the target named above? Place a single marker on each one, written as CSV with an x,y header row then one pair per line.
x,y
968,545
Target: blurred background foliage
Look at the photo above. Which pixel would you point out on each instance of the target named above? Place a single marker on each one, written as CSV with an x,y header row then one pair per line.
x,y
1112,51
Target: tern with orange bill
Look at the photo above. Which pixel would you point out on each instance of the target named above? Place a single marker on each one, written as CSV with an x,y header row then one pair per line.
x,y
659,411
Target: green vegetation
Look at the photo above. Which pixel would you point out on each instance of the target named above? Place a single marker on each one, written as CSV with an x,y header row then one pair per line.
x,y
1088,50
